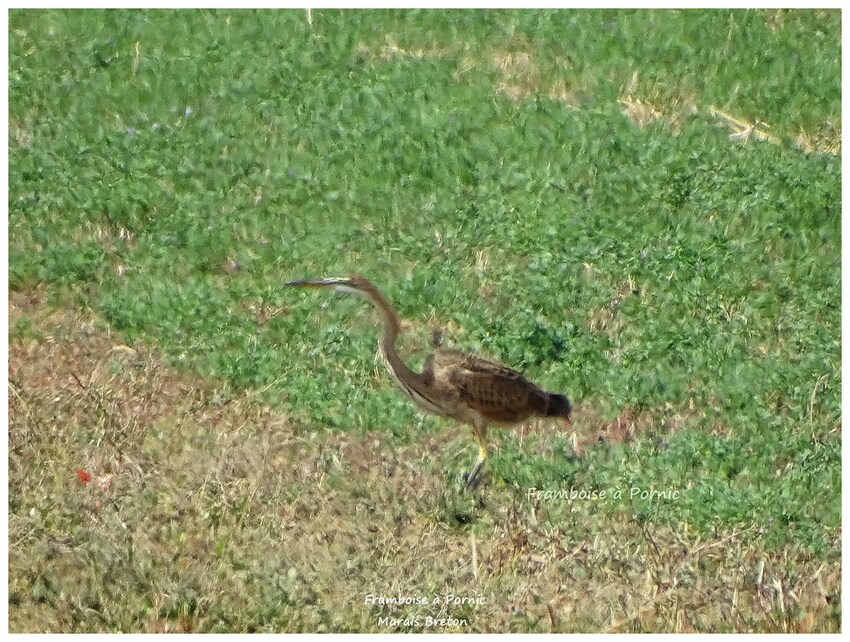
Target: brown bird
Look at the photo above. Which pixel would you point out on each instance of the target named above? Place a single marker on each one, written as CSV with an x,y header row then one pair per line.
x,y
465,387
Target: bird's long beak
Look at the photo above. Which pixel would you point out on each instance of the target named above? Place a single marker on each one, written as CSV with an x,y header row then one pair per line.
x,y
330,281
568,422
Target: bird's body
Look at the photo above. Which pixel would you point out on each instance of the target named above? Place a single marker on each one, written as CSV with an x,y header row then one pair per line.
x,y
476,387
464,387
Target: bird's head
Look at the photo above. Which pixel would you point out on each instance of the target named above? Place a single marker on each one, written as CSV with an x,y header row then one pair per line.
x,y
353,283
560,406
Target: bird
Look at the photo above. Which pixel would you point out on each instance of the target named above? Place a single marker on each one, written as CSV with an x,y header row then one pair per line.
x,y
453,384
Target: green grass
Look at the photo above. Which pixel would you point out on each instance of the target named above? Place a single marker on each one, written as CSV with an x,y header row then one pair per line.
x,y
169,171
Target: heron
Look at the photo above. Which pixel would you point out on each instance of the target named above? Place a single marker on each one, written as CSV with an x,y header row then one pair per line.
x,y
453,384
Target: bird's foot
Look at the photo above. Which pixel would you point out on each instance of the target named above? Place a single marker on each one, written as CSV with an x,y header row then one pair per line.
x,y
472,478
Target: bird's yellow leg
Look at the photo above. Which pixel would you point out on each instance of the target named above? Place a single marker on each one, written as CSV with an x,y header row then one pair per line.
x,y
474,476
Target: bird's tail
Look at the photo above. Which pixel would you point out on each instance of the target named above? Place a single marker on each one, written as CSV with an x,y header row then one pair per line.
x,y
559,406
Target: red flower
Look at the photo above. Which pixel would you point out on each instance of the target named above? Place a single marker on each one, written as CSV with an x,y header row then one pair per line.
x,y
84,476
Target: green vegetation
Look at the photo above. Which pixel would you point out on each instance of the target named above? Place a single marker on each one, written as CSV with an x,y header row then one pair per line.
x,y
638,208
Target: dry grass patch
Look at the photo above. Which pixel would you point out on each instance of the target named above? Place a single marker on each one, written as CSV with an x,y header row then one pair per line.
x,y
827,140
743,130
520,76
19,133
644,106
639,112
390,49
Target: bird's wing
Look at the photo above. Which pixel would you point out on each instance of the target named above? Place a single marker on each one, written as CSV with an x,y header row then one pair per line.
x,y
472,363
499,393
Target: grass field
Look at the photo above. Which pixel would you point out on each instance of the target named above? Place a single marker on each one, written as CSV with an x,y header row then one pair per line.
x,y
638,208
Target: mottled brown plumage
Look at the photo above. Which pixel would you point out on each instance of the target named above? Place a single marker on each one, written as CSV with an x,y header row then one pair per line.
x,y
501,395
465,387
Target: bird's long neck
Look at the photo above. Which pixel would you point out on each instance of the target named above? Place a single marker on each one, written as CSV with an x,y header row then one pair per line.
x,y
408,380
386,344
